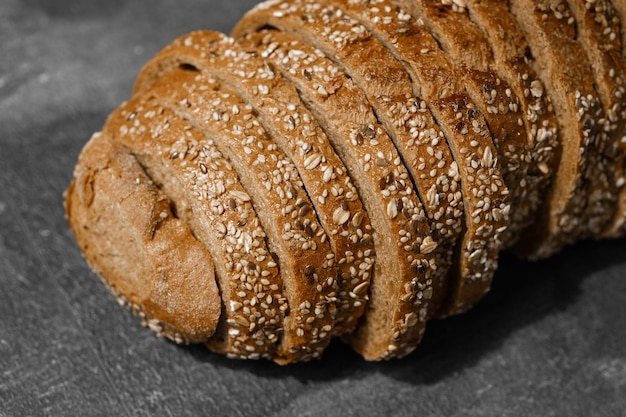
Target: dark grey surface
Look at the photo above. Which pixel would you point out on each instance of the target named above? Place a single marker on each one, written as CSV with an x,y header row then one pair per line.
x,y
549,339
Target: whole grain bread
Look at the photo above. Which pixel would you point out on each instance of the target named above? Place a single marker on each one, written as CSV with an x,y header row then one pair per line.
x,y
582,199
387,189
598,30
345,169
282,113
513,63
399,32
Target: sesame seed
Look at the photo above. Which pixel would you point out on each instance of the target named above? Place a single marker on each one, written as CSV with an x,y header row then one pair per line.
x,y
392,209
340,216
312,161
240,195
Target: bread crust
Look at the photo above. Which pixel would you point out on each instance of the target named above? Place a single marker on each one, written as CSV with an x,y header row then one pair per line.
x,y
582,199
269,177
510,58
408,325
400,33
353,168
206,194
335,199
471,53
365,143
598,29
143,253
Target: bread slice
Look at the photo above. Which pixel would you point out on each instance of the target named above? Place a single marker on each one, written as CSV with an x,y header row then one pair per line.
x,y
306,261
433,77
209,198
582,198
332,97
598,30
147,256
448,22
510,58
470,51
335,199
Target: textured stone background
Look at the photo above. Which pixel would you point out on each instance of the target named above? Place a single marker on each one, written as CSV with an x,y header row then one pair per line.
x,y
550,339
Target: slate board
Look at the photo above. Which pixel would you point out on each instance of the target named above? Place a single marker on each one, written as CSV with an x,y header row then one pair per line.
x,y
549,339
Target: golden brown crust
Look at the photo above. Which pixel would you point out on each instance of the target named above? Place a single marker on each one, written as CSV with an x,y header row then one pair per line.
x,y
297,133
433,74
501,108
485,196
250,189
340,100
130,237
582,198
447,21
276,191
512,62
470,51
598,29
207,196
